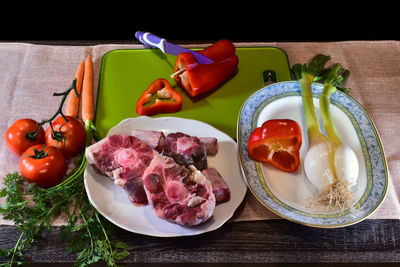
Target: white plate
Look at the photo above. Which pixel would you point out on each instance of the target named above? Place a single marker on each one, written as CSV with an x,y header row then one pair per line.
x,y
112,201
287,194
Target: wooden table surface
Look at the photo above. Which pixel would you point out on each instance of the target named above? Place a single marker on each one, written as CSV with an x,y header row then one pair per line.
x,y
246,243
268,243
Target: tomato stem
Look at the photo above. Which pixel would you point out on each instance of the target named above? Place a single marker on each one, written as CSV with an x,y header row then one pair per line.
x,y
39,154
32,135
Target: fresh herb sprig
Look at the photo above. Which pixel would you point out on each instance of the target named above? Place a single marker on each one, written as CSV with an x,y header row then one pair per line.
x,y
33,209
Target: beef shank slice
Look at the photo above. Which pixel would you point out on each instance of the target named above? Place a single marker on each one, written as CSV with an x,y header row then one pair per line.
x,y
124,159
178,194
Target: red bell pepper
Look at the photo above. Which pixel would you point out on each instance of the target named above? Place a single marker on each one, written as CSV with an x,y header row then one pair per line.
x,y
198,78
159,97
277,142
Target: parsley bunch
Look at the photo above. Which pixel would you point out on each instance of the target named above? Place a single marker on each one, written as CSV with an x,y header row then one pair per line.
x,y
33,209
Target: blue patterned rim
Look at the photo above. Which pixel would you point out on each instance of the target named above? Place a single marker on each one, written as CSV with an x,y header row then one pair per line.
x,y
375,161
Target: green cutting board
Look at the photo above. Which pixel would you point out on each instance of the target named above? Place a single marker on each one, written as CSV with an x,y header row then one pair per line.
x,y
126,73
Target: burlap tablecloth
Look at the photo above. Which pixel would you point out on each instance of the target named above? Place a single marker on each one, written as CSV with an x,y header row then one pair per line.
x,y
29,74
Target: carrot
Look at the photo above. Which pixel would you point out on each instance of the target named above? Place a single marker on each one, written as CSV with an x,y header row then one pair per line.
x,y
87,91
72,107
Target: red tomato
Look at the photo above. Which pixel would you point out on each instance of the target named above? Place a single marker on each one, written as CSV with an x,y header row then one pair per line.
x,y
71,134
44,166
16,139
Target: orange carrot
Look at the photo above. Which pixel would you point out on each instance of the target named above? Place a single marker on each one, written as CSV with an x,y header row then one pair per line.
x,y
72,107
87,91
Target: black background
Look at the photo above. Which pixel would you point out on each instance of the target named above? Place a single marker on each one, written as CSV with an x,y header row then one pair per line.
x,y
201,20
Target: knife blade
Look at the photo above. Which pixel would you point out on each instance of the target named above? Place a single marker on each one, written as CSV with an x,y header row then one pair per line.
x,y
167,47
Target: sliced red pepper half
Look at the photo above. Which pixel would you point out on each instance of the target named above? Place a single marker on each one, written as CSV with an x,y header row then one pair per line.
x,y
277,142
198,78
159,97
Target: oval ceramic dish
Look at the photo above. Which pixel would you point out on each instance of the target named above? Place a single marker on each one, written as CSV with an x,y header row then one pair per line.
x,y
287,194
113,203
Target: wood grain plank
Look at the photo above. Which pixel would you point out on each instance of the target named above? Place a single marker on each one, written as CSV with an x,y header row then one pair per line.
x,y
274,241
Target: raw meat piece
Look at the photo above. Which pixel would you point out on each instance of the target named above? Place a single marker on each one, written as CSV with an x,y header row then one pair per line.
x,y
211,144
123,158
219,186
156,139
178,194
185,150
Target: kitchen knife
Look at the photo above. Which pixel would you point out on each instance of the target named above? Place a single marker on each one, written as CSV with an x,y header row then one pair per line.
x,y
167,47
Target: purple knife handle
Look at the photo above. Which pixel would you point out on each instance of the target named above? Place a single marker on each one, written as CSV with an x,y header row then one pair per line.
x,y
151,40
